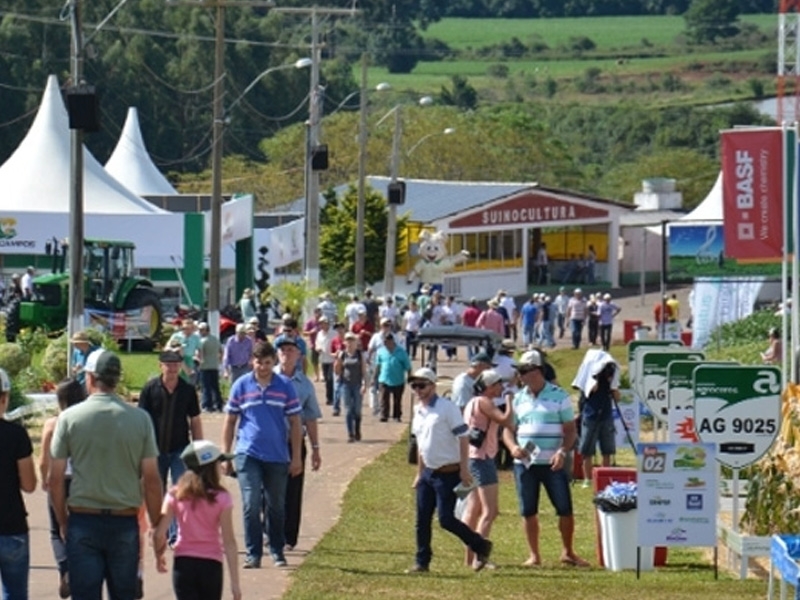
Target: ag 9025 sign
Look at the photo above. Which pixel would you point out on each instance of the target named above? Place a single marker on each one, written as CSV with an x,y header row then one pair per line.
x,y
738,408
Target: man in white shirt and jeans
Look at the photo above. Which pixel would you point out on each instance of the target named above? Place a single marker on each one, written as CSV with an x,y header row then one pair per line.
x,y
442,464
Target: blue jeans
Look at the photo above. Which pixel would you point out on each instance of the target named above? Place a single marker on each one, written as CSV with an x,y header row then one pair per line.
x,y
15,562
172,465
253,476
212,398
576,325
560,320
435,493
102,547
351,395
547,334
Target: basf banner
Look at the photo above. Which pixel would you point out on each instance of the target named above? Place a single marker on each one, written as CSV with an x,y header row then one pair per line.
x,y
752,193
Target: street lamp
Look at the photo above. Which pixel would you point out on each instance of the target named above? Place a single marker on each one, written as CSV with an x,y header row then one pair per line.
x,y
445,131
300,63
215,245
391,225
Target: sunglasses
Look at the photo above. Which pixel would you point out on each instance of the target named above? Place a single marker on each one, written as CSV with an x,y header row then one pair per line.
x,y
419,385
526,371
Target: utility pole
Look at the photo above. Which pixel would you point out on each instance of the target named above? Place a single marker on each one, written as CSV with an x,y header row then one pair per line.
x,y
76,231
214,262
391,225
314,131
362,175
313,137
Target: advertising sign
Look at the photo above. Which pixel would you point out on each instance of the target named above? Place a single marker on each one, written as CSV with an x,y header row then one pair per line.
x,y
629,414
653,377
131,324
677,495
680,400
696,250
737,408
718,301
752,193
633,345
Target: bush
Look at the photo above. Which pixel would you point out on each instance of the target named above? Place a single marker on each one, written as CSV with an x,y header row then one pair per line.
x,y
756,87
717,81
13,359
499,71
54,360
581,44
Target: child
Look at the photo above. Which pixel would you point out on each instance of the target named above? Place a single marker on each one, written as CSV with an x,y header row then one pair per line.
x,y
202,508
69,392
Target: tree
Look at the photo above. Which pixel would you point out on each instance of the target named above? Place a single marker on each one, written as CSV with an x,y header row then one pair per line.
x,y
338,237
707,20
462,94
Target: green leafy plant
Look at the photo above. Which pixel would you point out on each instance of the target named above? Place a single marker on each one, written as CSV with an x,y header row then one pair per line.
x,y
13,359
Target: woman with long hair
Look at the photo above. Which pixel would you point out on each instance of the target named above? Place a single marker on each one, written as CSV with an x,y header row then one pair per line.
x,y
68,393
203,509
481,413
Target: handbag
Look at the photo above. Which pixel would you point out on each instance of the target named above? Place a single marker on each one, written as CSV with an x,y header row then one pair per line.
x,y
476,435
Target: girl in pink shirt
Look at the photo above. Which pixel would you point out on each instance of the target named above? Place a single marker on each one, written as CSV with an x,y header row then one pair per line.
x,y
481,413
203,509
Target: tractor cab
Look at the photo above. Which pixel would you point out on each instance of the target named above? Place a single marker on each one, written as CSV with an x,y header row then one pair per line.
x,y
106,265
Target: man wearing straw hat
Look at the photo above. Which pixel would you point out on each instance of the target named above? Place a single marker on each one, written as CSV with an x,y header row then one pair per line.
x,y
82,347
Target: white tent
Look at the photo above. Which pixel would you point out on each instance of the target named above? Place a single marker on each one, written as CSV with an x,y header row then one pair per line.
x,y
710,209
130,163
36,177
35,203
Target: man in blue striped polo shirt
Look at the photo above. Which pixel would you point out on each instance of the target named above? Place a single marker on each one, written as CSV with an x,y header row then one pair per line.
x,y
263,412
544,431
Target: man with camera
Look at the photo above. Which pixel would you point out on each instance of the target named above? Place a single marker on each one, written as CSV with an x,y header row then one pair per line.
x,y
597,418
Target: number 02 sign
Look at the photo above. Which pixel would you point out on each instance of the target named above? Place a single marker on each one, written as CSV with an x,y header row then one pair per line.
x,y
738,408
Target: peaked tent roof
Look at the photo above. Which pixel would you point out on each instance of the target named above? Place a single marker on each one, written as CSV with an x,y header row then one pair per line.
x,y
130,162
709,209
36,178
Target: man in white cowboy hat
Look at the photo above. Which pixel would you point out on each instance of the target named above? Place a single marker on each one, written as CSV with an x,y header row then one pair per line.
x,y
442,464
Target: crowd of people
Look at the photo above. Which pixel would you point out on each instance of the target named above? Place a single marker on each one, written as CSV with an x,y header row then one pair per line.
x,y
167,479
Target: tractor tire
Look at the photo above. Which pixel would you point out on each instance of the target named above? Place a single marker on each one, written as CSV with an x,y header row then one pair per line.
x,y
143,297
12,320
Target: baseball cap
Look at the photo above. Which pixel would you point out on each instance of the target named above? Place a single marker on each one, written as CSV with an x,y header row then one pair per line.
x,y
481,357
253,321
531,358
350,336
386,321
423,374
286,340
202,452
168,356
490,377
5,382
606,296
103,364
241,328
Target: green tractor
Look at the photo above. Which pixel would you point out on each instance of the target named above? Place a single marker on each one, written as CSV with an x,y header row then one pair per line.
x,y
116,300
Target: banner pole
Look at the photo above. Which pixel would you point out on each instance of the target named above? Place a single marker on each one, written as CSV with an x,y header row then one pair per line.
x,y
791,251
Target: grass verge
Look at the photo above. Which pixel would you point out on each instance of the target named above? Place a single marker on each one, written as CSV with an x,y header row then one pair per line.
x,y
366,552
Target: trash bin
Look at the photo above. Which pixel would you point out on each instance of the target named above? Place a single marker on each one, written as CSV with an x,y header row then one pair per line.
x,y
618,534
641,333
629,330
686,338
601,477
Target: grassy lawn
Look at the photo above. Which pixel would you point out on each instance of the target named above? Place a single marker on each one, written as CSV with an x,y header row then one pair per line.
x,y
367,551
620,52
606,32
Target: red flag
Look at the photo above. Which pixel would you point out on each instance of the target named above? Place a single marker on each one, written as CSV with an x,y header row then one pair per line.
x,y
752,193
